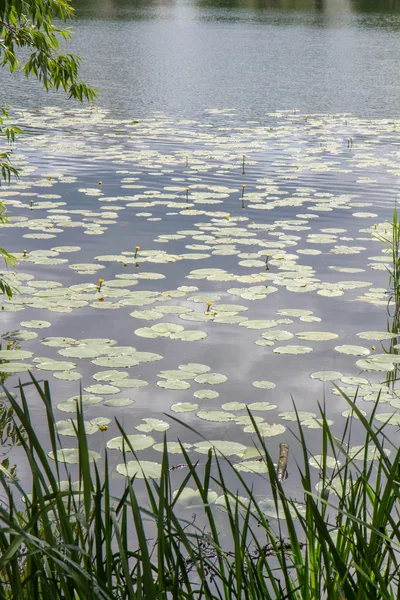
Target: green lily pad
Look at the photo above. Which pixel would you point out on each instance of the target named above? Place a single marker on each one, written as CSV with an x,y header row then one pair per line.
x,y
68,375
138,442
316,336
192,498
67,427
173,384
110,375
142,470
293,350
81,352
318,461
119,402
353,350
172,447
326,375
225,448
211,378
184,407
265,429
390,418
206,394
264,385
261,406
102,389
151,424
195,368
218,416
302,415
315,423
233,406
252,466
15,354
71,455
371,364
55,365
35,324
277,335
131,383
20,335
376,335
190,335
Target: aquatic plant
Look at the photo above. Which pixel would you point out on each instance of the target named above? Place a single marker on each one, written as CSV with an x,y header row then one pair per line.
x,y
82,539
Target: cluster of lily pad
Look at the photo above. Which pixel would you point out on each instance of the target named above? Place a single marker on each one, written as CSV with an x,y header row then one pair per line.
x,y
266,259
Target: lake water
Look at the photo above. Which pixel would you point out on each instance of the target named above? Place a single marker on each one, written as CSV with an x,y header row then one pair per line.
x,y
261,130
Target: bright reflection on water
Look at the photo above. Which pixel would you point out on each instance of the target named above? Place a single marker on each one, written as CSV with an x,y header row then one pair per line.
x,y
181,57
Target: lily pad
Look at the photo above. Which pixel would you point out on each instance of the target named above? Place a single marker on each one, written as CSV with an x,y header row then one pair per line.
x,y
141,470
326,375
211,378
71,455
353,350
138,442
206,394
151,424
192,498
225,448
102,389
293,350
184,407
264,385
119,402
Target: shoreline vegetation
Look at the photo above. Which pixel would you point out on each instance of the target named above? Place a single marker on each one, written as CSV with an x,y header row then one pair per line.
x,y
75,539
68,536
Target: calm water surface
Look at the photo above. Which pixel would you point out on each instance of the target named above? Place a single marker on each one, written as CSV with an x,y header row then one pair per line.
x,y
180,59
183,56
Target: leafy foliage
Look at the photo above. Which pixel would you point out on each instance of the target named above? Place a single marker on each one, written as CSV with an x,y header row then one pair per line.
x,y
31,42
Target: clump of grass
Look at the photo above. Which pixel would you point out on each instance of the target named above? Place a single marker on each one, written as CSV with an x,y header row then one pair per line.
x,y
391,239
78,540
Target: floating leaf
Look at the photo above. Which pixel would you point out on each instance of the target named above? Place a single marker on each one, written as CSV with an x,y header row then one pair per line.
x,y
71,455
353,350
35,324
141,470
265,429
184,407
138,442
234,406
173,384
264,385
225,448
206,394
192,498
293,350
119,402
389,418
218,416
326,375
151,424
252,466
318,461
211,378
261,406
316,336
376,335
102,389
172,448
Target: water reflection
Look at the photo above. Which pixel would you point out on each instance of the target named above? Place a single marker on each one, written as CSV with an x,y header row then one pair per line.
x,y
161,9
